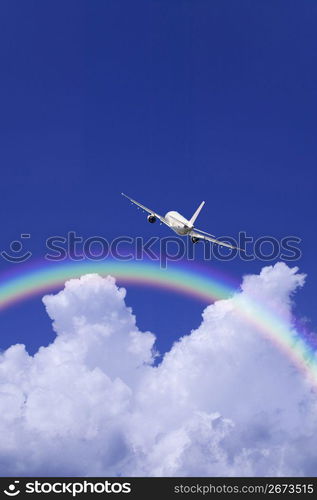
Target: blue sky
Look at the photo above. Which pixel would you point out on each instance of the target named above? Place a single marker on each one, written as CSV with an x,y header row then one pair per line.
x,y
171,102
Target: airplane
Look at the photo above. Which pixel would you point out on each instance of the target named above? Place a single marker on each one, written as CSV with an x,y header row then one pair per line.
x,y
180,225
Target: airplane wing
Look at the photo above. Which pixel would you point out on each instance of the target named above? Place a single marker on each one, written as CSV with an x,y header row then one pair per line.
x,y
148,210
206,237
204,232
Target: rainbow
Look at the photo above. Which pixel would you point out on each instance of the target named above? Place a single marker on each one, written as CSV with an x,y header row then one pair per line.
x,y
180,278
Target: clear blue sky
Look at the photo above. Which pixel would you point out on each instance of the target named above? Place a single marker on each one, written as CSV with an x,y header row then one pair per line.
x,y
171,102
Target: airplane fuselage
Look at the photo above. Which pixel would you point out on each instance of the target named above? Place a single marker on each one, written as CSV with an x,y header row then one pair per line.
x,y
178,223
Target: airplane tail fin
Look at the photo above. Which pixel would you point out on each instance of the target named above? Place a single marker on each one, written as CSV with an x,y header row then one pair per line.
x,y
194,217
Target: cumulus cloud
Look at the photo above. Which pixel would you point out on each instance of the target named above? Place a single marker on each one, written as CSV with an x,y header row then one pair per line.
x,y
223,401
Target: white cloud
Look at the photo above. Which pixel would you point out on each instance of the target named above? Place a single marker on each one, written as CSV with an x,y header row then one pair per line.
x,y
224,400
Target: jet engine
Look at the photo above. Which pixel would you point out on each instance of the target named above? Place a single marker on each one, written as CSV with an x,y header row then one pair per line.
x,y
194,239
151,219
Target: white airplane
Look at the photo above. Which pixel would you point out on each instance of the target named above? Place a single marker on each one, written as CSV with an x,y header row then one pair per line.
x,y
180,225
